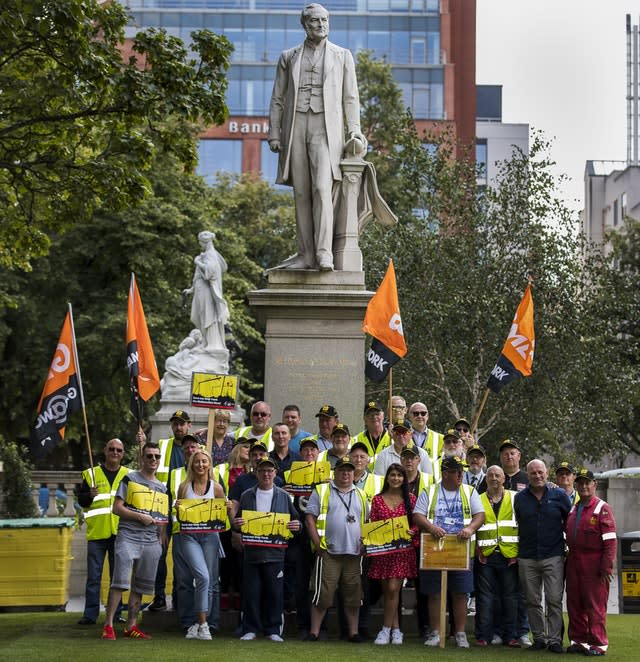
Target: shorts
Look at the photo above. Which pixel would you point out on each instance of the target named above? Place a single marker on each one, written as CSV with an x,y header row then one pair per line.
x,y
458,581
342,570
142,558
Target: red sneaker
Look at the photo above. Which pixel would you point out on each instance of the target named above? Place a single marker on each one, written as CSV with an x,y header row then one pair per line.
x,y
108,633
135,633
481,642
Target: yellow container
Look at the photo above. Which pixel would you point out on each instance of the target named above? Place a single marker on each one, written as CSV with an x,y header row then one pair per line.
x,y
35,556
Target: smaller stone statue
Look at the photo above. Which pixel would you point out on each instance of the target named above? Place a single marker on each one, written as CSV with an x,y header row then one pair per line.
x,y
209,311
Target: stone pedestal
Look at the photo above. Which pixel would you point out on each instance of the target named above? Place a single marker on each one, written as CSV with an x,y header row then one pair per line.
x,y
161,428
315,347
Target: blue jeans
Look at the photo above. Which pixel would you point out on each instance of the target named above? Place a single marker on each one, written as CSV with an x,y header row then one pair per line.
x,y
96,551
496,586
200,553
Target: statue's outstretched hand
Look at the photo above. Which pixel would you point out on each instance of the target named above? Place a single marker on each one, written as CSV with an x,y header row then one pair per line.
x,y
274,145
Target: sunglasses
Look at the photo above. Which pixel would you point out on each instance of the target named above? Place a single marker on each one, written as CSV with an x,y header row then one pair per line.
x,y
260,414
116,450
419,413
152,456
462,429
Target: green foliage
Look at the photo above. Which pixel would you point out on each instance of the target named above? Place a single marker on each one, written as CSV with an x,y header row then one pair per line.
x,y
15,481
462,259
90,266
80,122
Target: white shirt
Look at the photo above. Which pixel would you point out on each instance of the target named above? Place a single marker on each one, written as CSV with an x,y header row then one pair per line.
x,y
389,456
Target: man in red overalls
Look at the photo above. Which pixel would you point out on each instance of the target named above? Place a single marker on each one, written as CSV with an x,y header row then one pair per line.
x,y
591,537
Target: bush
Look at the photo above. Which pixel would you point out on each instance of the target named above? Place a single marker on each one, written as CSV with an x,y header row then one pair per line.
x,y
15,482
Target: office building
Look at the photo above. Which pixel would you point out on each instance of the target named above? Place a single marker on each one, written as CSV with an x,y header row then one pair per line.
x,y
612,188
429,43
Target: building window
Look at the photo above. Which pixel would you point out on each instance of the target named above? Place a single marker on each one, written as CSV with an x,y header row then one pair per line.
x,y
623,206
615,213
218,156
481,162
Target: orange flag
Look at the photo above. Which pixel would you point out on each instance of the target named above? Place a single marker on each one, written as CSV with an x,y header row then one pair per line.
x,y
517,354
141,362
61,395
382,321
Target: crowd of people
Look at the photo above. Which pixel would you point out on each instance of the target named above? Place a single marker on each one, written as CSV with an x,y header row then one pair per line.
x,y
527,537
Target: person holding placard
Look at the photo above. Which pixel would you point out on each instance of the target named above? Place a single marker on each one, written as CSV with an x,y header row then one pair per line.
x,y
392,569
142,505
446,508
201,548
263,562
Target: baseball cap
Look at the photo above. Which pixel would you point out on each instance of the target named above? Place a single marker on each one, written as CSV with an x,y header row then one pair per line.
x,y
372,405
585,474
402,424
451,434
327,410
476,448
359,445
452,464
267,461
180,415
410,450
259,446
508,443
340,427
345,462
309,441
566,466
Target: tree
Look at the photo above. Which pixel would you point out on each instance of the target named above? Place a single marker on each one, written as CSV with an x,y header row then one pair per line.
x,y
90,266
80,122
462,258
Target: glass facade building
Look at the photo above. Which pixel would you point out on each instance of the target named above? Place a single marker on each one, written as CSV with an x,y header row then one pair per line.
x,y
417,37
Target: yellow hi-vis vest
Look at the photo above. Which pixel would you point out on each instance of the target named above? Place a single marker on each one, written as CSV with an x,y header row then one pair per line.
x,y
221,475
424,480
177,476
246,432
433,445
465,499
373,485
166,446
101,522
385,440
500,532
323,491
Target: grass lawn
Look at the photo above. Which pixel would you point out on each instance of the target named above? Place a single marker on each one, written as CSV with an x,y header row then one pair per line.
x,y
44,636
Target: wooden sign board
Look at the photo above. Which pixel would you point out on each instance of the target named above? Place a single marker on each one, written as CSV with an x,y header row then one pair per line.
x,y
448,553
214,391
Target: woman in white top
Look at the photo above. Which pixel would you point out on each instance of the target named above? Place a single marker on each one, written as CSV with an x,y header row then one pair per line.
x,y
202,549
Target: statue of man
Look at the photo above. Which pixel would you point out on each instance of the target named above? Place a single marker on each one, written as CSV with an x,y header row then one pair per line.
x,y
315,94
209,311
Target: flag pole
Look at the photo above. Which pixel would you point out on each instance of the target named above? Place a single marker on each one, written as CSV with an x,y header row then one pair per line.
x,y
390,394
84,410
476,418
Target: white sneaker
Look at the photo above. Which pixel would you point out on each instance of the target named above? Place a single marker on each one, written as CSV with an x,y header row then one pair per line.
x,y
524,640
433,639
275,637
250,636
396,637
383,637
497,640
192,632
203,632
461,640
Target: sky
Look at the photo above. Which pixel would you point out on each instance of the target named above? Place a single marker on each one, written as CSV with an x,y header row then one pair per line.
x,y
562,67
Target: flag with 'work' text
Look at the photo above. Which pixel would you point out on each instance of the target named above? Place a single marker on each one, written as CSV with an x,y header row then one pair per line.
x,y
143,372
61,395
517,354
382,321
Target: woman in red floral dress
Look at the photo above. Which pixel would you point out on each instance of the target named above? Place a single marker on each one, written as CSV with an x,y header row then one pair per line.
x,y
392,569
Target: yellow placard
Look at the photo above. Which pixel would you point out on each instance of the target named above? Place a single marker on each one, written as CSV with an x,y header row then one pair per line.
x,y
448,553
631,582
304,475
203,515
386,536
143,499
265,529
214,391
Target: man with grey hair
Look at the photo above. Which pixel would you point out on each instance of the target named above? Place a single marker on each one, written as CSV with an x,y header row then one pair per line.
x,y
315,93
541,512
